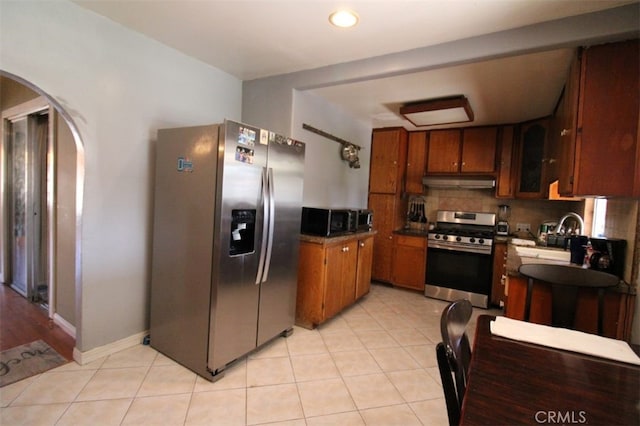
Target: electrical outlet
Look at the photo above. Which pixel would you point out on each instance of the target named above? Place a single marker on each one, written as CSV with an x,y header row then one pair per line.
x,y
523,227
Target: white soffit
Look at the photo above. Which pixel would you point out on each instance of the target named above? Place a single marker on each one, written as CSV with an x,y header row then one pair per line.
x,y
506,90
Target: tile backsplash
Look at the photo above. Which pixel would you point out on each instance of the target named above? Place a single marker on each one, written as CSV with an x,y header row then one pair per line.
x,y
533,212
622,219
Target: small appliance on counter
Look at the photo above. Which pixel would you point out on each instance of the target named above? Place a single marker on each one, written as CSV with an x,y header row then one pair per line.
x,y
546,229
502,226
332,222
364,220
327,222
601,254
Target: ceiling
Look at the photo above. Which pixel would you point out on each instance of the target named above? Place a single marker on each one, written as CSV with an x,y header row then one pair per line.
x,y
252,39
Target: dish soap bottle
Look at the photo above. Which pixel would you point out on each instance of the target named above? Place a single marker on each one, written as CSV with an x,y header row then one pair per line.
x,y
587,255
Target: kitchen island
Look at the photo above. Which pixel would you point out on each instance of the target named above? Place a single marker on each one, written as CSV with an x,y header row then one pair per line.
x,y
333,273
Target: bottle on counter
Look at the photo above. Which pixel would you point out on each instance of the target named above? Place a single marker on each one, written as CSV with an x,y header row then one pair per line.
x,y
587,255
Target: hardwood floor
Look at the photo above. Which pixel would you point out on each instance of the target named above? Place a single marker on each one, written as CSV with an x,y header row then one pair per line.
x,y
23,322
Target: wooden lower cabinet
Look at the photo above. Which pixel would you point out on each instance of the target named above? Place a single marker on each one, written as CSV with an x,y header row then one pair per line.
x,y
409,261
618,308
332,274
363,270
499,273
388,215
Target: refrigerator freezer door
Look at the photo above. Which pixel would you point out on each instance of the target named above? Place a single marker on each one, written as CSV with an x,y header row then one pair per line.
x,y
235,295
278,289
186,162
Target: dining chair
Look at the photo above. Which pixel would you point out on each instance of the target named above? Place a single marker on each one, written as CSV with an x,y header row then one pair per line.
x,y
453,355
565,281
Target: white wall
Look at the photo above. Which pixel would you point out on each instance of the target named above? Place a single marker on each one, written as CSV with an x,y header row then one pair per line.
x,y
118,87
328,180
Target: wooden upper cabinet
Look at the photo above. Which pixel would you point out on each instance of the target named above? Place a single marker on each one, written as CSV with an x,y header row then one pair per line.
x,y
479,150
388,160
505,179
444,151
416,159
471,150
607,158
532,160
566,127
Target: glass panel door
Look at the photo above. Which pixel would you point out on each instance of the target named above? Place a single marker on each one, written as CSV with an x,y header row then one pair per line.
x,y
26,169
18,204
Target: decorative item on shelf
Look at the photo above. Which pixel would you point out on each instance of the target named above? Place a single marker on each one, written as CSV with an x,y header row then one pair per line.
x,y
350,154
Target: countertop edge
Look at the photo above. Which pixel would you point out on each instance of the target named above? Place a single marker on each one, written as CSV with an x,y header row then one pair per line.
x,y
337,239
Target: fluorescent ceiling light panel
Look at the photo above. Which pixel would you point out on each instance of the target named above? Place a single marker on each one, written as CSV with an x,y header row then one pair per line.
x,y
455,109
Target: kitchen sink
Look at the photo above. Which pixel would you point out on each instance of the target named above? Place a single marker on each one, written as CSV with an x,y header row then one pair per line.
x,y
542,255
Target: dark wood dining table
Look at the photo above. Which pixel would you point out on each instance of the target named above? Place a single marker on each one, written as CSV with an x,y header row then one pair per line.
x,y
516,383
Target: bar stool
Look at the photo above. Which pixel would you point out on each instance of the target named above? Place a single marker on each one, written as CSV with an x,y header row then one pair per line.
x,y
565,281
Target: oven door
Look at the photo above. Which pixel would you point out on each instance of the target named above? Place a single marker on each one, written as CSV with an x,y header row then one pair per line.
x,y
453,275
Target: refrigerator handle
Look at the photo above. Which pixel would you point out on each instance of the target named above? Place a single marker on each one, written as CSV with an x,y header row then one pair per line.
x,y
265,216
272,215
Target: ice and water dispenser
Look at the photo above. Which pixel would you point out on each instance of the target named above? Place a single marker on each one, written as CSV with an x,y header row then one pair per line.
x,y
243,232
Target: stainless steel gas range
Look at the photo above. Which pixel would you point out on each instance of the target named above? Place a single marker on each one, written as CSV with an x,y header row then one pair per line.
x,y
459,257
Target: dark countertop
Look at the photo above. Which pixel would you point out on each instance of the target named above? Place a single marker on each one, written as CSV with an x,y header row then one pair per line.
x,y
412,232
337,239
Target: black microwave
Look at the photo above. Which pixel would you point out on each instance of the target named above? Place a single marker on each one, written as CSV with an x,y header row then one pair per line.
x,y
364,220
327,222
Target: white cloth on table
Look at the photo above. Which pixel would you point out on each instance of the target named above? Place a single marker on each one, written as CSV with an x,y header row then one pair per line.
x,y
565,339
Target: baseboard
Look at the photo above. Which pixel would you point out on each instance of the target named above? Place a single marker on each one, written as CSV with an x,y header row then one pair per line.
x,y
66,326
106,350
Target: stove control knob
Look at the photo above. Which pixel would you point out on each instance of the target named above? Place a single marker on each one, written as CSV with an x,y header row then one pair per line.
x,y
445,237
481,241
472,240
437,237
458,239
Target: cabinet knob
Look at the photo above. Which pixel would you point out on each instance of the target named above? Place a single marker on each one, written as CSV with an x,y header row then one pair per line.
x,y
361,244
564,132
345,249
390,237
552,160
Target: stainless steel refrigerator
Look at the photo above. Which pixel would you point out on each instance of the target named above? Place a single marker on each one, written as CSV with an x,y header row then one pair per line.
x,y
225,242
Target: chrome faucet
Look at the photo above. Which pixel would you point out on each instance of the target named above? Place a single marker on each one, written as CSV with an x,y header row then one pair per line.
x,y
576,216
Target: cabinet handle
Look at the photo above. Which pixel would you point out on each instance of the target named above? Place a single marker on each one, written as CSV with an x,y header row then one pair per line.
x,y
552,160
564,132
345,249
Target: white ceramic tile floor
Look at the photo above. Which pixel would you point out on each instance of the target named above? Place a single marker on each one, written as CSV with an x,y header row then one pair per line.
x,y
374,364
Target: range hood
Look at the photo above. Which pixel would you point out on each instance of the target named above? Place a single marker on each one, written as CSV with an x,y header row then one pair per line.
x,y
459,183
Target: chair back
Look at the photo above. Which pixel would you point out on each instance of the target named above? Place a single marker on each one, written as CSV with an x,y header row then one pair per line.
x,y
455,350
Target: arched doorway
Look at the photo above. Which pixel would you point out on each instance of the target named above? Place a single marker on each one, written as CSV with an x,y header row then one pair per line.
x,y
39,181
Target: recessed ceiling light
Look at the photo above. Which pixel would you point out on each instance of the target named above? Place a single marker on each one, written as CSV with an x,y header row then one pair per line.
x,y
343,18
